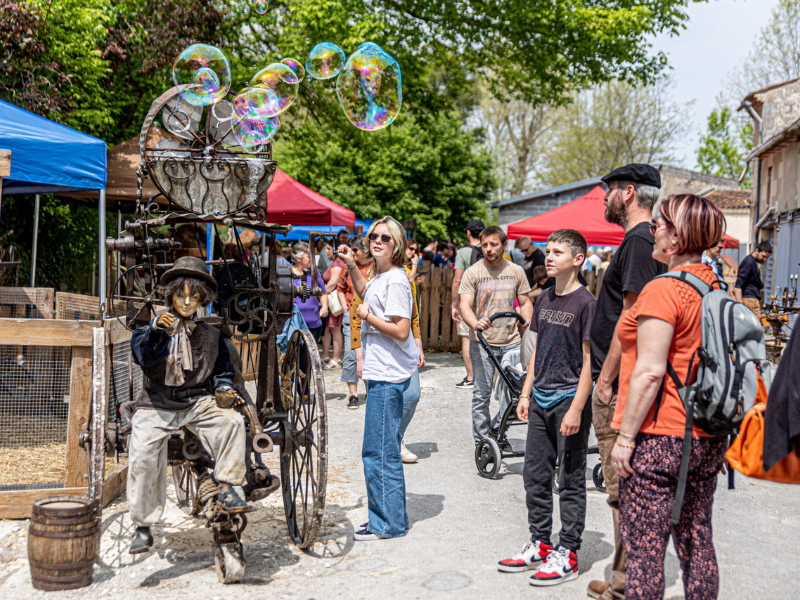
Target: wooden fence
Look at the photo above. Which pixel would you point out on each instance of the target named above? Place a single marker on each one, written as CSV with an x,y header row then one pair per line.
x,y
435,296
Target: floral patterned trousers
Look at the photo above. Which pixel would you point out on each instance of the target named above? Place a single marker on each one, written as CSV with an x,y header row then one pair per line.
x,y
646,501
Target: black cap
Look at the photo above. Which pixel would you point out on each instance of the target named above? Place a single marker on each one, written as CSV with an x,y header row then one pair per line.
x,y
475,224
189,266
637,173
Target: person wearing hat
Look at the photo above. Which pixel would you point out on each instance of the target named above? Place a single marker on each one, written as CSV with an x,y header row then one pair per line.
x,y
190,376
633,191
465,258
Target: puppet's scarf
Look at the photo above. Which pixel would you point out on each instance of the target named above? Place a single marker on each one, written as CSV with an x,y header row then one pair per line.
x,y
180,352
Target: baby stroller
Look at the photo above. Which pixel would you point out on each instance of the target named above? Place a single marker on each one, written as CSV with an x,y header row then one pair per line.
x,y
490,451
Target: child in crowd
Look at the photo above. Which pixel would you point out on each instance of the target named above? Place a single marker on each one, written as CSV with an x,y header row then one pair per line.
x,y
554,404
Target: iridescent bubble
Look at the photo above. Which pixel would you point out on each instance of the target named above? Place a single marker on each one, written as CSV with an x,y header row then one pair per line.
x,y
370,88
283,82
206,71
253,133
296,66
261,6
255,103
325,61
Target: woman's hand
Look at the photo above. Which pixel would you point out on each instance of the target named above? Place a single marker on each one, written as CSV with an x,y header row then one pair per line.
x,y
323,311
621,460
421,362
362,311
166,320
571,423
347,256
359,362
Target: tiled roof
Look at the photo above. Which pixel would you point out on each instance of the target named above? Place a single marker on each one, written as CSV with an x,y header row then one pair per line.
x,y
730,199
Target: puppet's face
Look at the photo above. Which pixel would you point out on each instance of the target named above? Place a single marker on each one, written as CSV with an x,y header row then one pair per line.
x,y
186,303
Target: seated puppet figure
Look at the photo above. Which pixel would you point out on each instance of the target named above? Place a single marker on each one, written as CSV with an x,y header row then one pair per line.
x,y
190,385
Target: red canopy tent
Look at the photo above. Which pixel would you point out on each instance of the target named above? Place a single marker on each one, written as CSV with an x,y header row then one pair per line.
x,y
731,242
289,202
586,214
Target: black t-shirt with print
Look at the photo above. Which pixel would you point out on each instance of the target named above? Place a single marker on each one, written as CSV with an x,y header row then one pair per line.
x,y
631,268
561,323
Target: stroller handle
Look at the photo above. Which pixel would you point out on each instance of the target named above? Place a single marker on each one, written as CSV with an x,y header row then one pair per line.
x,y
500,315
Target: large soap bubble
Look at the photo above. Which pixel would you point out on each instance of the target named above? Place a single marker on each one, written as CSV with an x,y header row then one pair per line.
x,y
283,82
253,133
206,70
255,103
325,61
296,66
370,88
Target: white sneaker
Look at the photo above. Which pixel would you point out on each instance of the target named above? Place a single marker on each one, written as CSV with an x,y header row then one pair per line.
x,y
531,556
561,565
406,455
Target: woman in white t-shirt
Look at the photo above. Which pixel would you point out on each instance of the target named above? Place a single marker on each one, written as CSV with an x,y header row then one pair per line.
x,y
390,359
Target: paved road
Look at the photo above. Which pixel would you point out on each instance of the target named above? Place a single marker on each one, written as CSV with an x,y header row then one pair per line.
x,y
461,526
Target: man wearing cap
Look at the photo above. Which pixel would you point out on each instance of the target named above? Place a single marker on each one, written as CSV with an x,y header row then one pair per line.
x,y
633,191
465,258
190,376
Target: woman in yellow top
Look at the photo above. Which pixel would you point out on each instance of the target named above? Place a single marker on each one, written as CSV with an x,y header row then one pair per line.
x,y
412,394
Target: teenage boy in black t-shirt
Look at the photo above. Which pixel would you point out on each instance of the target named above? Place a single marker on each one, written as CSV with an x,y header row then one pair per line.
x,y
633,192
554,404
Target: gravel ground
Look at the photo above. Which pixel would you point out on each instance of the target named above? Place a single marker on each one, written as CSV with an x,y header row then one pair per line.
x,y
461,526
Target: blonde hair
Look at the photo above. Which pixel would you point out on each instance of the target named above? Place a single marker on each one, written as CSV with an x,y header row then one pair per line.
x,y
398,235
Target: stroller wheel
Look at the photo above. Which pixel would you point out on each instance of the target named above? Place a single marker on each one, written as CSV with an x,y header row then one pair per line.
x,y
487,458
556,472
598,479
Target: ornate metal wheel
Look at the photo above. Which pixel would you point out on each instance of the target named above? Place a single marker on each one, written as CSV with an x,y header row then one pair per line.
x,y
131,305
304,455
185,479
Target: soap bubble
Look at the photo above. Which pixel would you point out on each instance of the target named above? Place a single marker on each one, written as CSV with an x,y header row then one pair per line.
x,y
325,61
370,88
296,66
283,82
255,103
206,70
261,6
253,133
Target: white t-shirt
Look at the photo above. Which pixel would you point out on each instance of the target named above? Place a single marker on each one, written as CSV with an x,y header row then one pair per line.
x,y
386,359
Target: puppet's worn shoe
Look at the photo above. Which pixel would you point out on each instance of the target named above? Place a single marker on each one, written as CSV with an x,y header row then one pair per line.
x,y
230,502
142,540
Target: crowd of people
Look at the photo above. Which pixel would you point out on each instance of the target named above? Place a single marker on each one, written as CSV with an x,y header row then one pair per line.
x,y
614,363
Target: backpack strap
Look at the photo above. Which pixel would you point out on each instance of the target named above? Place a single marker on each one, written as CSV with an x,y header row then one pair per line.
x,y
688,403
672,375
699,286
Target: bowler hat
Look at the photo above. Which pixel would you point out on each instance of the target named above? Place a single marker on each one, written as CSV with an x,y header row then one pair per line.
x,y
635,172
189,266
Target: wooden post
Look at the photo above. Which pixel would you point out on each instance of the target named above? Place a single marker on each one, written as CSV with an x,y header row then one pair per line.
x,y
80,398
99,413
447,320
436,296
598,282
423,291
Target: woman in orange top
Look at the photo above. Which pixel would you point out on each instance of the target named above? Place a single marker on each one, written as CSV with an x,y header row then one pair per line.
x,y
665,323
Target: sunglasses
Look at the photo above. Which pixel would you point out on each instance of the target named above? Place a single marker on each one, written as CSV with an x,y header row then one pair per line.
x,y
653,226
385,237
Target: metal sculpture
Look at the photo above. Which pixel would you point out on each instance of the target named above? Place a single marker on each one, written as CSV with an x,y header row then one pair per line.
x,y
202,178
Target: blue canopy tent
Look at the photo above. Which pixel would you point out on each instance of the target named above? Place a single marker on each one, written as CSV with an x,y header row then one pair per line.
x,y
300,232
47,158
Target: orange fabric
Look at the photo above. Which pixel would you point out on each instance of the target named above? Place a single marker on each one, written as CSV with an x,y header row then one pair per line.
x,y
680,305
346,283
746,454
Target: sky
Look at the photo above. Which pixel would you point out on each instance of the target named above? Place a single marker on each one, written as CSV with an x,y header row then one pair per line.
x,y
718,36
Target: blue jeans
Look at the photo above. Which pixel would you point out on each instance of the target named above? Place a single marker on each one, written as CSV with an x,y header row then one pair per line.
x,y
410,399
380,453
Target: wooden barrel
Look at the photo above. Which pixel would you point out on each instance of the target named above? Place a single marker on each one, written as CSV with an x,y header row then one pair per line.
x,y
63,538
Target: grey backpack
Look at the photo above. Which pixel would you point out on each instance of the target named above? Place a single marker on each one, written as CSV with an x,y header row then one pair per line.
x,y
731,355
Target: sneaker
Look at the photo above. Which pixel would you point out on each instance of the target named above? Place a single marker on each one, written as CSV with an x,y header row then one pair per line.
x,y
532,555
561,565
406,455
365,535
352,403
465,384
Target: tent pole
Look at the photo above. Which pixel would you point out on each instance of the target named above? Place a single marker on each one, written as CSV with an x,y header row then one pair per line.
x,y
116,234
35,240
101,256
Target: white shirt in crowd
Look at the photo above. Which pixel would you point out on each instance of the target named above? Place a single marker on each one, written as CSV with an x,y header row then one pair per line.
x,y
386,359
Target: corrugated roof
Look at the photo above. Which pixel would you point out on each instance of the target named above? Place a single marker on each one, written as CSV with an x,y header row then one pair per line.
x,y
549,191
730,199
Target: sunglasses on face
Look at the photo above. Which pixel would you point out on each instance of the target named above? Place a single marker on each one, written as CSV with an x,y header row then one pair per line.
x,y
385,237
653,226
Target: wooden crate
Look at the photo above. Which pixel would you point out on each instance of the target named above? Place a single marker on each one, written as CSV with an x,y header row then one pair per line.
x,y
77,335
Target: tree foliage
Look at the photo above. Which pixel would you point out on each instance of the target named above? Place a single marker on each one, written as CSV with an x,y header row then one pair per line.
x,y
611,125
722,149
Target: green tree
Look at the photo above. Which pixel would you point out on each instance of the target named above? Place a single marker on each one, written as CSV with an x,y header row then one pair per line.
x,y
436,172
722,151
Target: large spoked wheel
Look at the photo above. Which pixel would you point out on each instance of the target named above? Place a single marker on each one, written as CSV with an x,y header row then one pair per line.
x,y
304,455
487,458
185,479
132,298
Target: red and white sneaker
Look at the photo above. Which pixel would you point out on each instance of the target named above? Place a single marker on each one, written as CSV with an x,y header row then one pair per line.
x,y
561,565
532,555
